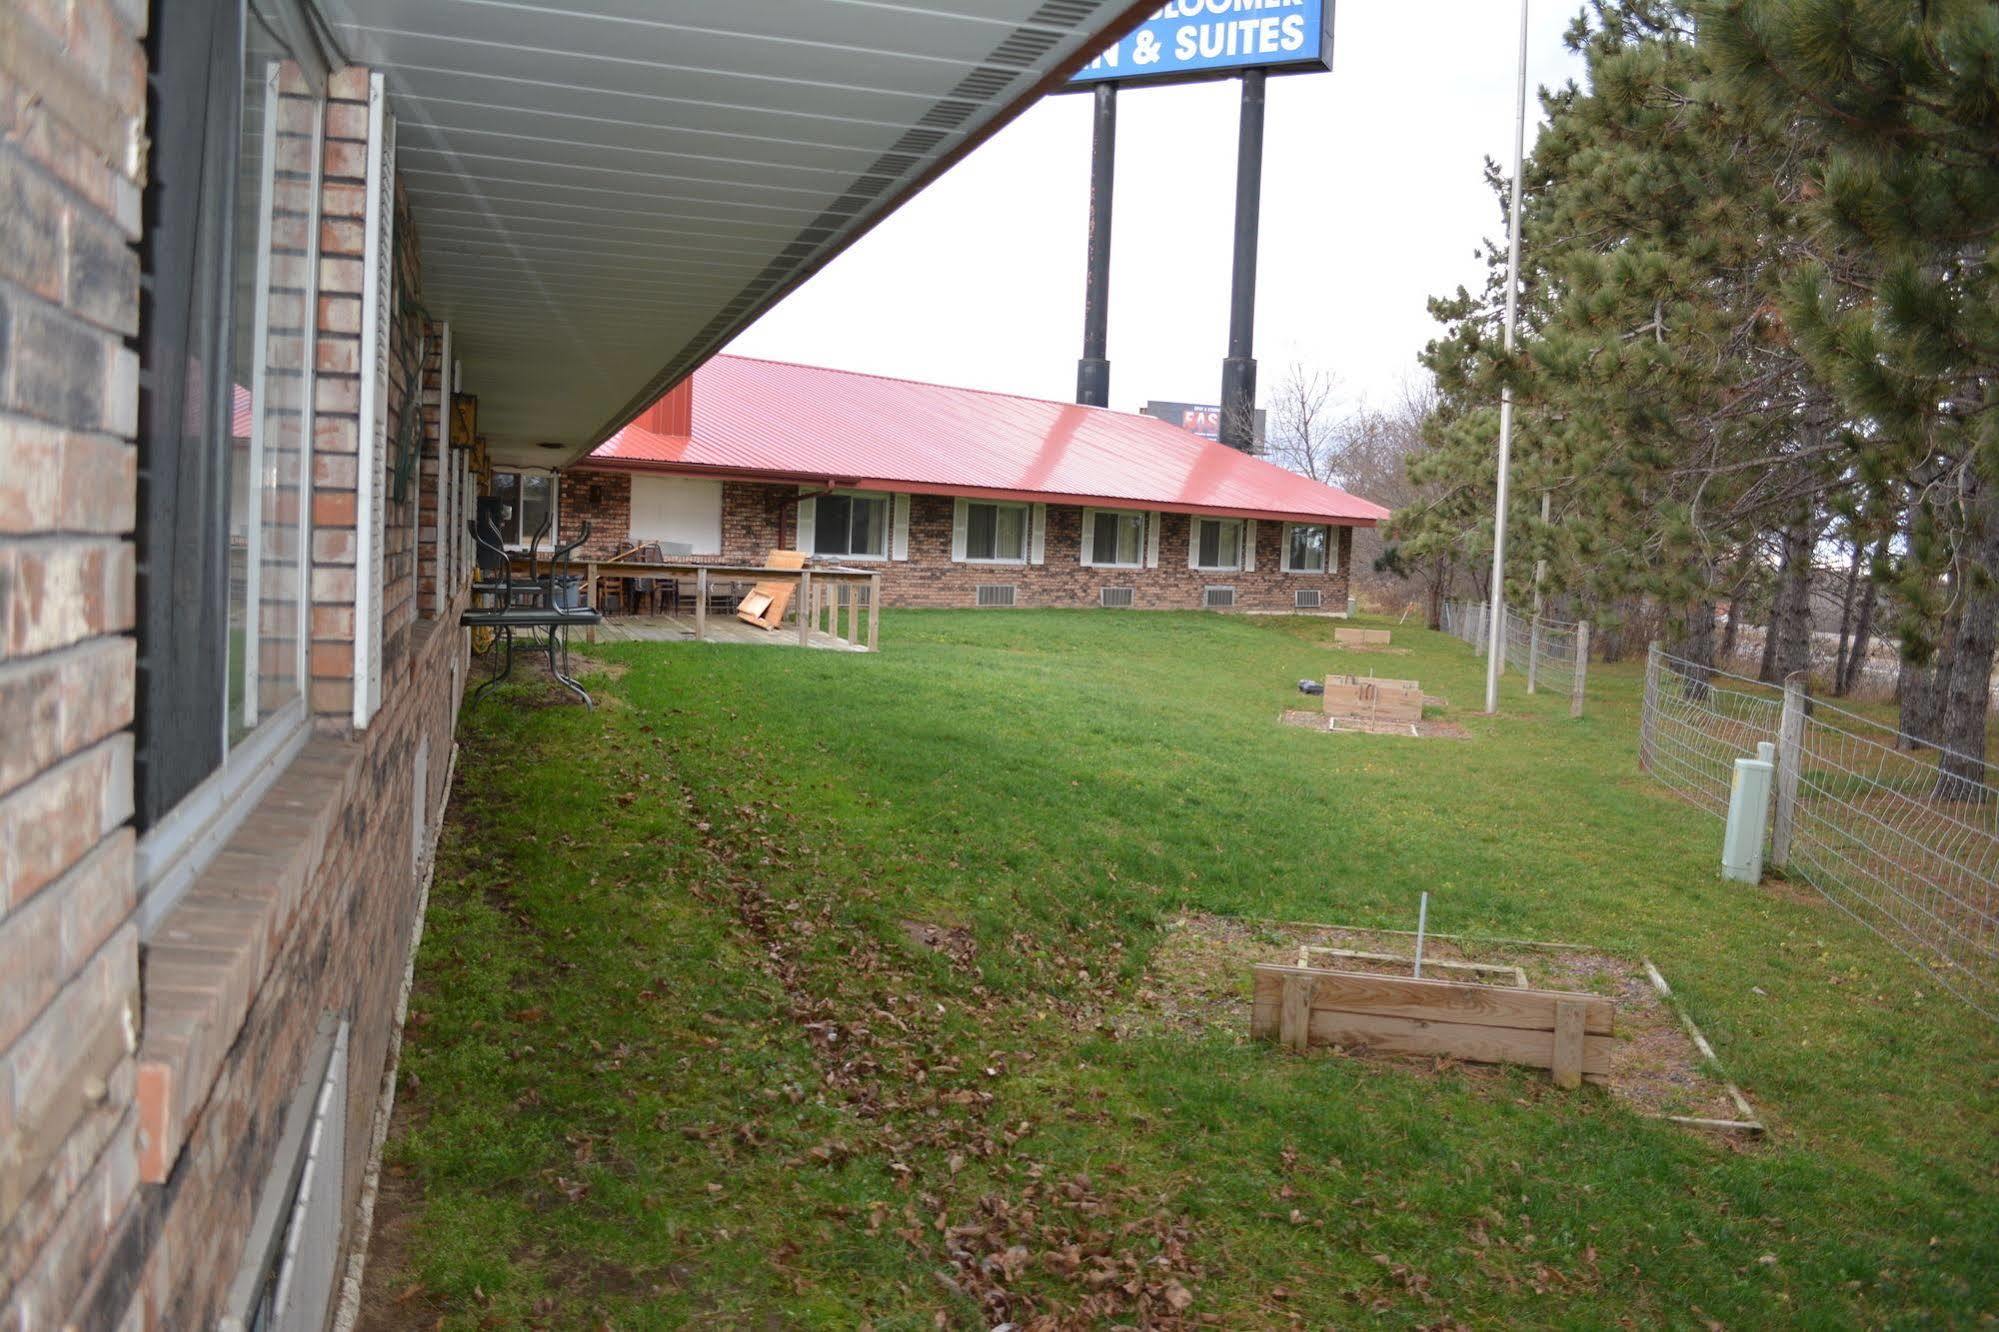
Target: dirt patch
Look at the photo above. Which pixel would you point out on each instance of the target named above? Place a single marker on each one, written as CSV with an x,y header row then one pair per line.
x,y
1199,984
953,941
1429,728
390,1299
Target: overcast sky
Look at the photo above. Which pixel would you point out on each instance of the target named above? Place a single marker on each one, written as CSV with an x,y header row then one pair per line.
x,y
1372,202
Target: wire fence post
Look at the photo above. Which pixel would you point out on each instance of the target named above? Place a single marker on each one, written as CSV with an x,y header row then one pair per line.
x,y
1533,650
1582,670
1790,762
1648,719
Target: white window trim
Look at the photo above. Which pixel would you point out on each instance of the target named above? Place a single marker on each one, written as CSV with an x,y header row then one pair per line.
x,y
371,509
180,845
898,533
1194,544
1027,532
441,508
554,505
1089,543
1332,551
888,508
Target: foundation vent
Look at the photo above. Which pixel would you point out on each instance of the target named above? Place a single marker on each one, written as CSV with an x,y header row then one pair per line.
x,y
1308,598
1116,597
1218,598
996,594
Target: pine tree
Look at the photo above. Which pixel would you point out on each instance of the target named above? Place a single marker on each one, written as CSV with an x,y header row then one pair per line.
x,y
1904,323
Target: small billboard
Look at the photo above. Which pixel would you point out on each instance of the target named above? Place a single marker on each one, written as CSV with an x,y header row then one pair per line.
x,y
1186,40
1199,419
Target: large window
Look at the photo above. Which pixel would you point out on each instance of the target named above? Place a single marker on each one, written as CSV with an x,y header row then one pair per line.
x,y
1217,543
996,533
527,502
228,269
851,525
1307,547
1114,539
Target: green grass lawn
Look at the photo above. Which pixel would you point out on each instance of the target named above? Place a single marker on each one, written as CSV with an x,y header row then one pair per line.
x,y
673,1058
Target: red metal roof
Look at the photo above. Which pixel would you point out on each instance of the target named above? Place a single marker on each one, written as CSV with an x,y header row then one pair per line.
x,y
773,420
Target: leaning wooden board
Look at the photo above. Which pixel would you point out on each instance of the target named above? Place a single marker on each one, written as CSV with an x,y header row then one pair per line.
x,y
1362,637
1566,1033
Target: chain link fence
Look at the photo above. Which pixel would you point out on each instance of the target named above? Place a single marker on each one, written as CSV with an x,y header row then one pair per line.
x,y
1861,812
1552,654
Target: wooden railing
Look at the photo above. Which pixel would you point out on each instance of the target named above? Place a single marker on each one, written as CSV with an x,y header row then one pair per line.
x,y
825,593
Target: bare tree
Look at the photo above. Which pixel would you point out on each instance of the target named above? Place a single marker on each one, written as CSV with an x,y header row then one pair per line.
x,y
1364,450
1302,421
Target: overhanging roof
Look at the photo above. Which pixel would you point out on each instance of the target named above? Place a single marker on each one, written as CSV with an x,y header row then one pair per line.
x,y
771,420
607,191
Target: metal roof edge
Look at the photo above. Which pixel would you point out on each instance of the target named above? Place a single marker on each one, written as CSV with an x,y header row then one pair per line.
x,y
716,473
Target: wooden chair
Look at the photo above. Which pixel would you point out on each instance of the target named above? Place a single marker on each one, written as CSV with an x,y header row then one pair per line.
x,y
764,607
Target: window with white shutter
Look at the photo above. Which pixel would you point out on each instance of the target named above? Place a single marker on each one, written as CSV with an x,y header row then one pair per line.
x,y
377,310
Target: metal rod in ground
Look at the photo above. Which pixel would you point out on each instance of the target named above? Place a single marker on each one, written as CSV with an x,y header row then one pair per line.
x,y
1238,428
1093,371
1422,925
1496,647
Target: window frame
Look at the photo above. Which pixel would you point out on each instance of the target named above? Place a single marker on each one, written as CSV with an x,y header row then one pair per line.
x,y
1026,511
880,497
1194,543
1095,559
184,820
1331,565
518,539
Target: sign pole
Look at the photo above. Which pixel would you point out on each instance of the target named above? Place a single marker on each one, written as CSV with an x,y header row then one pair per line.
x,y
1239,369
1495,649
1093,371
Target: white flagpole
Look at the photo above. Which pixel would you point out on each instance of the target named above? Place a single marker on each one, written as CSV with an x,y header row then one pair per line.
x,y
1495,648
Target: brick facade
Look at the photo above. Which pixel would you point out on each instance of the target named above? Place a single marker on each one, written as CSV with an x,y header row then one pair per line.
x,y
758,518
143,1084
72,109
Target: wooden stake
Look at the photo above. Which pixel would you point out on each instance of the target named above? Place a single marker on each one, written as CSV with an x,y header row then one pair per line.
x,y
874,612
805,592
1294,1023
1569,1044
700,604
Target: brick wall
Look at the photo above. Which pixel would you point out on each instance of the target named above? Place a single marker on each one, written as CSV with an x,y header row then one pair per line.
x,y
336,446
399,533
72,104
140,1107
349,895
759,518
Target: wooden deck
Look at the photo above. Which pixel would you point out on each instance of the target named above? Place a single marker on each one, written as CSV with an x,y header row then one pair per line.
x,y
719,629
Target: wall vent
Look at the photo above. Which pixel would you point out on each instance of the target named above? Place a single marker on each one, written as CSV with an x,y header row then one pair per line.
x,y
1308,598
1218,598
996,594
1115,596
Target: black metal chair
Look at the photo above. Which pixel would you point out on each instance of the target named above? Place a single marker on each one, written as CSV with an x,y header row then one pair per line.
x,y
534,607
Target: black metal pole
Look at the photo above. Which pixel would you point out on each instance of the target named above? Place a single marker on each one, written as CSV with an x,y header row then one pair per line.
x,y
1093,371
1239,369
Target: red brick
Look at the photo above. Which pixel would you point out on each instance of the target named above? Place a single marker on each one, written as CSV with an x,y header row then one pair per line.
x,y
49,823
55,592
30,473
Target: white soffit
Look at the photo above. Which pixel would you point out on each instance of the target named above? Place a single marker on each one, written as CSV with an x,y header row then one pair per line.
x,y
607,191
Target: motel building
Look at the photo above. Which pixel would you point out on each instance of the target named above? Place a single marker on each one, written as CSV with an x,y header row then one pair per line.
x,y
953,497
286,288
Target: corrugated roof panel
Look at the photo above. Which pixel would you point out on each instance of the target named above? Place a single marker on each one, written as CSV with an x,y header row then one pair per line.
x,y
772,418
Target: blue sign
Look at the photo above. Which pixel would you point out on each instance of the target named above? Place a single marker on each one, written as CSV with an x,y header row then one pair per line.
x,y
1212,39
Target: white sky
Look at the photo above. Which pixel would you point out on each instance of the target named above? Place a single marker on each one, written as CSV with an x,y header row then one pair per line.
x,y
1373,201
